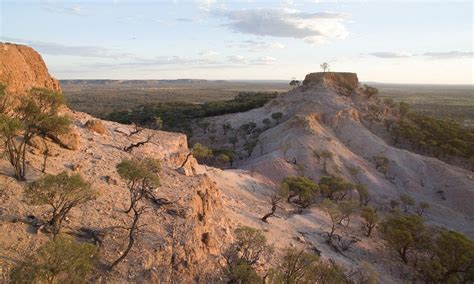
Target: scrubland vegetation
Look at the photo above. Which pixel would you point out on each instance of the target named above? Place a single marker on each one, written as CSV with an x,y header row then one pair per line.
x,y
178,116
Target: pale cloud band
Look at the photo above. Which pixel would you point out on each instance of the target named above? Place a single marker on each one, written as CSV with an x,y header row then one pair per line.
x,y
314,28
433,55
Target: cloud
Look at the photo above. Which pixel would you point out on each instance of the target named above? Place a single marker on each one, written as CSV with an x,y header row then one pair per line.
x,y
257,45
382,54
449,54
209,53
52,48
69,10
314,28
237,59
433,55
266,60
205,4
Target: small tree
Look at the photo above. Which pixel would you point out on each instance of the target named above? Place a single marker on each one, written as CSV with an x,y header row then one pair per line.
x,y
295,83
363,192
407,202
347,208
277,116
394,204
325,66
382,164
334,187
297,266
302,187
62,192
451,261
223,159
285,148
405,234
275,200
132,233
250,145
246,254
35,115
202,153
233,140
369,214
60,260
141,177
422,207
335,214
267,123
226,127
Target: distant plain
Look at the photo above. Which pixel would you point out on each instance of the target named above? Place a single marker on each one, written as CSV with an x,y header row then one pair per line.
x,y
100,97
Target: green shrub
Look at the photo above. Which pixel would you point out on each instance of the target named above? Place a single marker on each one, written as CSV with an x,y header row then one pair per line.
x,y
141,177
62,192
36,114
248,252
369,214
61,260
302,187
451,259
334,187
405,234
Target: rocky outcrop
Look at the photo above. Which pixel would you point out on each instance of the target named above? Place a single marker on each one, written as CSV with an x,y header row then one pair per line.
x,y
181,238
343,80
22,68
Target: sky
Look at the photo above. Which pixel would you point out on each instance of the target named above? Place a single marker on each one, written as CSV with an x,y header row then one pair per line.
x,y
422,42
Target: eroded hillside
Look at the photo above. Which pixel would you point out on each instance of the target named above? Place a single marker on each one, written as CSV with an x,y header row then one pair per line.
x,y
181,240
330,126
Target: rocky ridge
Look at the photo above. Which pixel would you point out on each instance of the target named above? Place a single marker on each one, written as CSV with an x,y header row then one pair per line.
x,y
180,241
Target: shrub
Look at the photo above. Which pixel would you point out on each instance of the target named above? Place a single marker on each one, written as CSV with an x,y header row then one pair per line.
x,y
247,253
35,115
334,187
277,116
422,206
242,273
202,153
405,234
141,178
407,202
302,187
62,192
369,214
451,259
363,192
61,260
335,214
382,164
297,266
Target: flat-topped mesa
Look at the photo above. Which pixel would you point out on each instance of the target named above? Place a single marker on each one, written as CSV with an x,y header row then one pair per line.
x,y
345,80
22,68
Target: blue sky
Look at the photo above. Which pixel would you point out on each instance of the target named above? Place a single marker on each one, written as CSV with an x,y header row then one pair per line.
x,y
382,41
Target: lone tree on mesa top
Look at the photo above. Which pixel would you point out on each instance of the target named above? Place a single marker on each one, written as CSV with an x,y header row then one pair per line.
x,y
325,66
